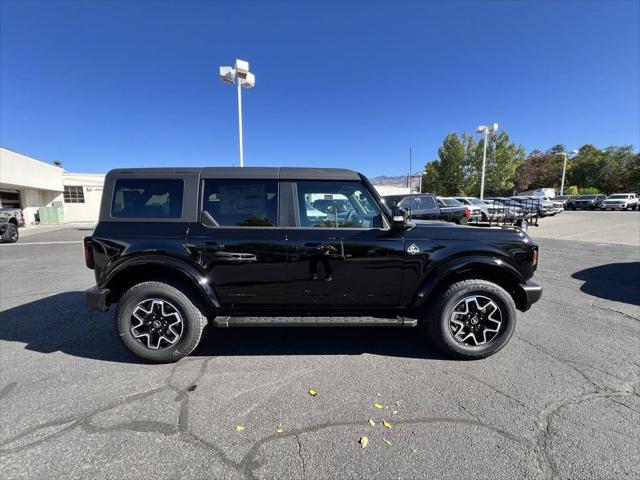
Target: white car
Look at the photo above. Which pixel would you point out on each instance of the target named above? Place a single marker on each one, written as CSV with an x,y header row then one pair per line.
x,y
621,201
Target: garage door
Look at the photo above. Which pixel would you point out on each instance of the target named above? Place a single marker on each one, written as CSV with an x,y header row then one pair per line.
x,y
10,199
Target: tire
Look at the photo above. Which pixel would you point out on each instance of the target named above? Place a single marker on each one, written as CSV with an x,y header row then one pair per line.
x,y
440,312
522,225
158,296
11,234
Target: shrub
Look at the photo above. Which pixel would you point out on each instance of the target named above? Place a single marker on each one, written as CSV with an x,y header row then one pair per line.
x,y
572,190
589,191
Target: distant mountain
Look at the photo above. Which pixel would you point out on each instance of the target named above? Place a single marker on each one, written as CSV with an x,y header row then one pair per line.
x,y
399,181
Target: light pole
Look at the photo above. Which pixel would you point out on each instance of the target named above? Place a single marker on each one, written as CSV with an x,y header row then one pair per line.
x,y
421,175
239,75
564,167
486,130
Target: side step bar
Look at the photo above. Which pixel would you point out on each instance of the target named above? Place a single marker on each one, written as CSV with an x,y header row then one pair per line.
x,y
225,322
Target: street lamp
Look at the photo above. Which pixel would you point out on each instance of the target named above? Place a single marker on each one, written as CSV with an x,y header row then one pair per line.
x,y
421,175
239,75
486,130
564,167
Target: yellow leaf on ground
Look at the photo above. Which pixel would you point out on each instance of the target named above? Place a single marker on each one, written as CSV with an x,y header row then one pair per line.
x,y
394,412
386,424
378,405
372,422
279,430
239,428
364,441
386,441
313,393
398,403
413,450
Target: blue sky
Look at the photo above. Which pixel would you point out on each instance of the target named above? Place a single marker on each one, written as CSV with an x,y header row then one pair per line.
x,y
102,84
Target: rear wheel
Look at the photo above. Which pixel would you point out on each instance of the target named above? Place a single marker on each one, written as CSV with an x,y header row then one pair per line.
x,y
159,322
11,234
471,319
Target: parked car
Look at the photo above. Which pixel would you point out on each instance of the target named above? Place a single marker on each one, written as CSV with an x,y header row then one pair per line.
x,y
514,212
180,249
10,220
393,200
476,203
558,205
475,212
542,207
620,201
427,207
567,200
588,202
496,210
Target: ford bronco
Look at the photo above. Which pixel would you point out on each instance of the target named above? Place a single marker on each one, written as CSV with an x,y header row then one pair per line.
x,y
179,249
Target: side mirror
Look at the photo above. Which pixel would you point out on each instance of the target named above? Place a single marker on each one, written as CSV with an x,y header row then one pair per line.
x,y
398,218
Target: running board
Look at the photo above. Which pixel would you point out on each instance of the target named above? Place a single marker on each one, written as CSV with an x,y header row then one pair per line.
x,y
225,322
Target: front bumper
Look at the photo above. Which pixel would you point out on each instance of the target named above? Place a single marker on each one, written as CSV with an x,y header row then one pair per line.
x,y
96,298
532,293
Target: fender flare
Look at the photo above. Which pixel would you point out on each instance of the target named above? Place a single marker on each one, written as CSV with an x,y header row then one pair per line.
x,y
196,278
461,265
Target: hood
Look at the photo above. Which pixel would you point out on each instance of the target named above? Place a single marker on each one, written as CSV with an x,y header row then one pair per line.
x,y
434,230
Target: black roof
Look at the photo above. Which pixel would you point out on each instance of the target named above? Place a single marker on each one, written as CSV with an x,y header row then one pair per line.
x,y
283,173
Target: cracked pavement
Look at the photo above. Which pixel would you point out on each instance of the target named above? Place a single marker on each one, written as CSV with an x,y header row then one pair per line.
x,y
562,400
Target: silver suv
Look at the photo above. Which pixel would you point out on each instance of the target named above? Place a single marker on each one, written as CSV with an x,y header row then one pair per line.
x,y
622,201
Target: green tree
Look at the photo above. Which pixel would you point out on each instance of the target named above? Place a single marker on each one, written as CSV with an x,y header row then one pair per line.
x,y
431,178
572,190
503,160
451,165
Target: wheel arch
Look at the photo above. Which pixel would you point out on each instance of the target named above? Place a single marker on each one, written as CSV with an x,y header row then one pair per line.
x,y
486,268
174,272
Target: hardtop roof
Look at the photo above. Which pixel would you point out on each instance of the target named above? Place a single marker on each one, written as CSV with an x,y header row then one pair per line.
x,y
282,173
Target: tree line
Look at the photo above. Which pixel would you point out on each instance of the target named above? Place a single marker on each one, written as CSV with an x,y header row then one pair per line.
x,y
510,170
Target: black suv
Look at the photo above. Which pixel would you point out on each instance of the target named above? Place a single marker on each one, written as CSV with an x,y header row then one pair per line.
x,y
180,249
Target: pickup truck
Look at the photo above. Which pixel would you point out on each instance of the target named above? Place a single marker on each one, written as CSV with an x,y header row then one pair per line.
x,y
429,207
10,220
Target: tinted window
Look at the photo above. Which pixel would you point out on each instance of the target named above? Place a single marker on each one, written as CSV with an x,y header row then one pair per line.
x,y
147,198
451,202
241,203
427,203
343,205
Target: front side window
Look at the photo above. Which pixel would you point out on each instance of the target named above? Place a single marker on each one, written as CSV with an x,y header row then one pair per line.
x,y
147,198
242,203
336,205
73,194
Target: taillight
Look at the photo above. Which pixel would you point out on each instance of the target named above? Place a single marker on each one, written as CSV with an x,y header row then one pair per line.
x,y
534,258
88,253
467,213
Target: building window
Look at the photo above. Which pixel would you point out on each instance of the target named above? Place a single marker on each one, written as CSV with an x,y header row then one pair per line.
x,y
73,194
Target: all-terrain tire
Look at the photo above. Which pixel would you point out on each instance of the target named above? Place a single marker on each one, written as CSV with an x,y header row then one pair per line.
x,y
194,321
440,310
11,234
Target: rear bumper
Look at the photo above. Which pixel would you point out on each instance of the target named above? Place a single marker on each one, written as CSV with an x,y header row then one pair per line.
x,y
96,298
532,293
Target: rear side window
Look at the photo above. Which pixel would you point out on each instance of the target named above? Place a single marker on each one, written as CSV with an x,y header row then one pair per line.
x,y
147,198
241,203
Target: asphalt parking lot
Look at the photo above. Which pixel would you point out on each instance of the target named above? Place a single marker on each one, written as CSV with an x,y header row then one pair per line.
x,y
562,400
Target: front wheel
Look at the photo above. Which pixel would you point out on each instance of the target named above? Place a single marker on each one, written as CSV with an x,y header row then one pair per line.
x,y
10,235
471,319
159,322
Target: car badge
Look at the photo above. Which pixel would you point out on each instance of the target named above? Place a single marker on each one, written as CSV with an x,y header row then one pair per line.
x,y
413,249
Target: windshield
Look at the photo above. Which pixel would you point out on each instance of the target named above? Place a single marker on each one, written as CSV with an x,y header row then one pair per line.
x,y
476,201
586,197
618,196
450,202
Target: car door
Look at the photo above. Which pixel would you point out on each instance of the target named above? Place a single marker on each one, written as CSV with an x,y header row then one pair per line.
x,y
350,258
237,241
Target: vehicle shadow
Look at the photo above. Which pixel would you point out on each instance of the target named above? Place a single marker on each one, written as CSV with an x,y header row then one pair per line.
x,y
619,282
64,323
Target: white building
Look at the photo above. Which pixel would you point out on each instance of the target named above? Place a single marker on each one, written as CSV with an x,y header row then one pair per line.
x,y
30,184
